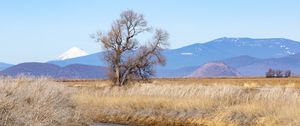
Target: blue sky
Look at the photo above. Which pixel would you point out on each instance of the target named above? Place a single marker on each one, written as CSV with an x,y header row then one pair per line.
x,y
40,30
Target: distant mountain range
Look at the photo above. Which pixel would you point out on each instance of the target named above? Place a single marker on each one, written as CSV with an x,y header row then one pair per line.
x,y
244,65
74,71
246,56
200,53
250,66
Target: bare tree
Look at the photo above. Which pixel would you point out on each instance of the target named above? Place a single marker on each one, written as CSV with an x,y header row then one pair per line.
x,y
127,60
279,73
270,73
287,73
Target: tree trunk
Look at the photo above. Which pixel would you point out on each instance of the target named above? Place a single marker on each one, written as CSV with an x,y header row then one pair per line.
x,y
118,75
118,69
124,76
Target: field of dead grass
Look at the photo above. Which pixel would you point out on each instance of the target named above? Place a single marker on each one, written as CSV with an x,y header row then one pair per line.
x,y
223,101
227,101
30,101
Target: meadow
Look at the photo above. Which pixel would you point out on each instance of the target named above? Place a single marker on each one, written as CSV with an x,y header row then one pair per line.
x,y
160,102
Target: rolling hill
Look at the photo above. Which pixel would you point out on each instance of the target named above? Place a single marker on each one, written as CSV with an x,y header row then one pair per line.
x,y
215,69
32,69
74,71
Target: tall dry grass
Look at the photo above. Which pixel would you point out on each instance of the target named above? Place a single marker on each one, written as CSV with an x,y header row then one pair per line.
x,y
42,101
193,104
29,101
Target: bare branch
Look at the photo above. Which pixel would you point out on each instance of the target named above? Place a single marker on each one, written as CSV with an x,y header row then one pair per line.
x,y
128,61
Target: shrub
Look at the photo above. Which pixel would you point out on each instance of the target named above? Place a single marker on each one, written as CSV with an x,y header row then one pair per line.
x,y
287,73
270,73
278,73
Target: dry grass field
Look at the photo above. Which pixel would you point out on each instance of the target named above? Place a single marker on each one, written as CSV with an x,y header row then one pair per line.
x,y
29,101
210,101
223,101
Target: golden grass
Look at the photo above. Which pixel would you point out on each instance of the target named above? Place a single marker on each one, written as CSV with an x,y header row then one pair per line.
x,y
223,101
29,101
192,103
251,81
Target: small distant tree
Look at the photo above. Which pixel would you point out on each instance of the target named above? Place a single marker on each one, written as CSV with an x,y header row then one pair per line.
x,y
287,73
279,73
270,73
127,59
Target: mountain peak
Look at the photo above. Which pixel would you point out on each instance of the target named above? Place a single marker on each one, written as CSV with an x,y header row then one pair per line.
x,y
233,39
72,53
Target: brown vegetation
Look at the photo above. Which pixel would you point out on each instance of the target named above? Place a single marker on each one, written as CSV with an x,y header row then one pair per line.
x,y
218,101
227,101
29,101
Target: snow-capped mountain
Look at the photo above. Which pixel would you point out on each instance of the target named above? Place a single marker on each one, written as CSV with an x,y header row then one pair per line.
x,y
72,53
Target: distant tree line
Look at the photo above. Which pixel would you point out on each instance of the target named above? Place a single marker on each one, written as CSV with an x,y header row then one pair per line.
x,y
271,73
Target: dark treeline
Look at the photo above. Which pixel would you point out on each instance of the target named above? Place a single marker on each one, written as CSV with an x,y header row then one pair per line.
x,y
271,73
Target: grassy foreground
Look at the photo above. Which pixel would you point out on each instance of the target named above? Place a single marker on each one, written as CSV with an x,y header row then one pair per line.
x,y
243,101
28,101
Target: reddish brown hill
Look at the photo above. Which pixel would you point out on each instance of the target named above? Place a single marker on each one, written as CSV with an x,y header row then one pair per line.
x,y
215,69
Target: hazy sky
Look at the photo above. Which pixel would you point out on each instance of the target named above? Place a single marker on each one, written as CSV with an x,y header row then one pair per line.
x,y
40,30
